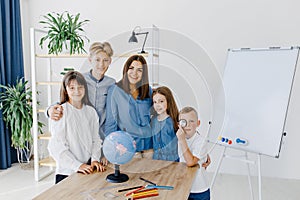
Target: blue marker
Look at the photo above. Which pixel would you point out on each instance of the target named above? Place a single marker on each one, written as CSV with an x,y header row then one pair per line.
x,y
241,141
160,187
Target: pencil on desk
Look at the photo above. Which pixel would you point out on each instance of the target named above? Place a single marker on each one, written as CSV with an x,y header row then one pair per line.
x,y
145,191
164,187
148,192
131,188
129,193
147,181
145,195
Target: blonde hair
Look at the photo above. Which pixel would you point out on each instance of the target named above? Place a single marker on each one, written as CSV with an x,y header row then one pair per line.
x,y
187,110
98,47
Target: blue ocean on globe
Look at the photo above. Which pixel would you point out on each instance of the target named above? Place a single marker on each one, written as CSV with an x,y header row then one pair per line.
x,y
119,147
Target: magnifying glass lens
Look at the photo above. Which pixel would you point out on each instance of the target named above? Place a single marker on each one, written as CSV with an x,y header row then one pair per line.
x,y
182,123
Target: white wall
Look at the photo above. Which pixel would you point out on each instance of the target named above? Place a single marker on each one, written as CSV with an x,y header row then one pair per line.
x,y
215,25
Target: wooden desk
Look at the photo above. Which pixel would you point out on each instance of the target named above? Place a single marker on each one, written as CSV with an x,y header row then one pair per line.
x,y
94,186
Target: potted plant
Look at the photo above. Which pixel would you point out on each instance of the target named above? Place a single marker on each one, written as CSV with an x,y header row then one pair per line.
x,y
63,29
15,103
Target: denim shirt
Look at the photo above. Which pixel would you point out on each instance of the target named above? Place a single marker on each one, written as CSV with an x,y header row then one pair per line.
x,y
97,90
165,143
125,113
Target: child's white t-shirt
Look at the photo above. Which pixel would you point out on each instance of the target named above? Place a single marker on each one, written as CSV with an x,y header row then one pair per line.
x,y
197,147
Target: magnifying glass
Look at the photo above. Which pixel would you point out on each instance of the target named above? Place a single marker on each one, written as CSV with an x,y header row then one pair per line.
x,y
183,123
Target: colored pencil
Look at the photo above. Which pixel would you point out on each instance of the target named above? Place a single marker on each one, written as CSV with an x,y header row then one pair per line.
x,y
147,181
131,188
164,187
129,193
145,196
153,191
145,191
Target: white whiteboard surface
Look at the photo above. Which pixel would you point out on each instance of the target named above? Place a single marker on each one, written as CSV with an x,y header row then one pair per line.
x,y
257,84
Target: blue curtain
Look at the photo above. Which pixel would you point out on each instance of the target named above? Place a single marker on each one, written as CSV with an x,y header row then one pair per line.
x,y
11,67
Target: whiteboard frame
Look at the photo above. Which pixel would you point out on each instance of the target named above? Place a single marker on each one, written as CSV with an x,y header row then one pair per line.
x,y
249,148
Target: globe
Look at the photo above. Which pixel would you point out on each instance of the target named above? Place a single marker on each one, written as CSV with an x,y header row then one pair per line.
x,y
118,148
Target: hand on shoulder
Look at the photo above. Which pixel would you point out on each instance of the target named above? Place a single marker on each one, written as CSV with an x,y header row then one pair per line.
x,y
56,112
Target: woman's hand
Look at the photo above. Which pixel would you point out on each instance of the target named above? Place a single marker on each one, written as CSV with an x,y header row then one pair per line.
x,y
98,166
85,169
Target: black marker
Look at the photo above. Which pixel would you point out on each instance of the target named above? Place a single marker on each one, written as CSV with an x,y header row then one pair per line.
x,y
126,189
147,181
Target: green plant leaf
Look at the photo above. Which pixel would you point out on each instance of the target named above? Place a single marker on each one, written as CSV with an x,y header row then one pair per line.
x,y
62,27
17,113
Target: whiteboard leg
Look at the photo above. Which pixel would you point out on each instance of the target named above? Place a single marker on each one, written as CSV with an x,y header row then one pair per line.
x,y
249,177
218,167
259,177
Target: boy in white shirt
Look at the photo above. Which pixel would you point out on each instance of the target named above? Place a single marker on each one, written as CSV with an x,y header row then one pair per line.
x,y
192,151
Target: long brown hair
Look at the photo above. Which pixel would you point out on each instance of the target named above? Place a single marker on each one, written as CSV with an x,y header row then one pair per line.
x,y
172,109
73,75
143,85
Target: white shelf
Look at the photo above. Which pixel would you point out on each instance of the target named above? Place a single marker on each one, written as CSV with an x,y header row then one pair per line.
x,y
61,56
47,162
86,55
44,136
48,83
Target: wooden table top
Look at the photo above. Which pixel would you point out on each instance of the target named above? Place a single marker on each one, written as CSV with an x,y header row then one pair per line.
x,y
94,186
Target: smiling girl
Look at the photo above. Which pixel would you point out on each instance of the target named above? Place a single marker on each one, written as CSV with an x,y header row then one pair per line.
x,y
164,125
75,144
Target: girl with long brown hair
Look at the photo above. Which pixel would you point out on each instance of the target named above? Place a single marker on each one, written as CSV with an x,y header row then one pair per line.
x,y
164,125
75,144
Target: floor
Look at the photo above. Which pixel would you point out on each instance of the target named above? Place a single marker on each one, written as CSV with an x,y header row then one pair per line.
x,y
18,182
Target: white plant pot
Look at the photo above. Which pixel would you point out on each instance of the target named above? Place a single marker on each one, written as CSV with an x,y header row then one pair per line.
x,y
66,47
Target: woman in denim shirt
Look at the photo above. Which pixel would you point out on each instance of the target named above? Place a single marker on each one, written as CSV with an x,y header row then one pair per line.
x,y
129,102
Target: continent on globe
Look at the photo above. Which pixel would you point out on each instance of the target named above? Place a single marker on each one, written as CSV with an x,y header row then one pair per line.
x,y
121,149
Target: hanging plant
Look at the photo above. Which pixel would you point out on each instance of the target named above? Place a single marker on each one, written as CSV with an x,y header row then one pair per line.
x,y
63,29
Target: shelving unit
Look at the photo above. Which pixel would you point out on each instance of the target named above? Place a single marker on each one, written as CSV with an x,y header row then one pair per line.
x,y
47,85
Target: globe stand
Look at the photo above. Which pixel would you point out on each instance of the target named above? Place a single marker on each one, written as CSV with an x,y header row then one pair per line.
x,y
117,177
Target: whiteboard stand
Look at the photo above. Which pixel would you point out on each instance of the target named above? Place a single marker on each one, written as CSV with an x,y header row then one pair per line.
x,y
248,162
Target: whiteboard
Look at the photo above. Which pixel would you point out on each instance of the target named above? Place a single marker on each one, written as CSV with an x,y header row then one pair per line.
x,y
257,86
